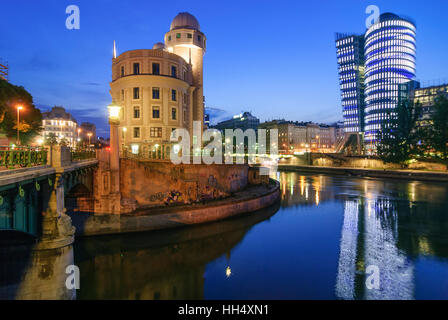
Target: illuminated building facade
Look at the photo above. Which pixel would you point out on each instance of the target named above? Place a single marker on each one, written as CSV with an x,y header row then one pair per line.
x,y
160,89
60,123
426,98
350,55
371,69
390,60
299,137
241,121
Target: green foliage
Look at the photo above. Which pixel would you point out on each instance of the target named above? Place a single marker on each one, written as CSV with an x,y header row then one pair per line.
x,y
437,134
51,140
30,116
399,137
64,142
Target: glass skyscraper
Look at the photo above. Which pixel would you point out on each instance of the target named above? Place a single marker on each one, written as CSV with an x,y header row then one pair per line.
x,y
390,53
350,54
371,69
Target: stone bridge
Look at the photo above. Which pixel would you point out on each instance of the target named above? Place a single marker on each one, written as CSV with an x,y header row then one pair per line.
x,y
32,200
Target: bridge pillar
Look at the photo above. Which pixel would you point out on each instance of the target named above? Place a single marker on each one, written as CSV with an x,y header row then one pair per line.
x,y
107,178
57,228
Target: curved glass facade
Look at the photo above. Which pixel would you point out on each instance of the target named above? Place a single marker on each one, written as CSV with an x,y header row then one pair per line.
x,y
390,60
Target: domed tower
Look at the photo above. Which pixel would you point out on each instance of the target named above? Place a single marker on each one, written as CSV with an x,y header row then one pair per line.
x,y
186,40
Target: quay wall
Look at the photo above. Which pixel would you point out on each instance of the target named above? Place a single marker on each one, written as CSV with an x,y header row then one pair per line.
x,y
360,162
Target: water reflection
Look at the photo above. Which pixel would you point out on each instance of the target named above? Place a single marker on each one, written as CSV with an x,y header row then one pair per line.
x,y
388,224
33,275
316,244
168,264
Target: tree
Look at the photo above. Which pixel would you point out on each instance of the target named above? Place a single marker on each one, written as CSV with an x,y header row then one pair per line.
x,y
30,117
399,137
64,142
51,139
438,132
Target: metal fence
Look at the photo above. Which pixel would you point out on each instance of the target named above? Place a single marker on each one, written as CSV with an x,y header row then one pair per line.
x,y
83,155
13,157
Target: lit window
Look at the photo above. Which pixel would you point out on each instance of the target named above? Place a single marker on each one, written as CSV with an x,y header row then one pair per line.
x,y
155,132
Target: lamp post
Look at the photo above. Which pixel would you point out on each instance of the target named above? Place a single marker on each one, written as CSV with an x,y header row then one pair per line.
x,y
114,120
77,137
18,123
89,135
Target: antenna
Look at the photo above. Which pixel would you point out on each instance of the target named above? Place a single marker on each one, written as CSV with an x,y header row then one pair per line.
x,y
115,50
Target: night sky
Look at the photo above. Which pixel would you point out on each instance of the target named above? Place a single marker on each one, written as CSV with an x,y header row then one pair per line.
x,y
274,58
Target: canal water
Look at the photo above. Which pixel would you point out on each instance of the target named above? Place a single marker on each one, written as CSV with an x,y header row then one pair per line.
x,y
330,237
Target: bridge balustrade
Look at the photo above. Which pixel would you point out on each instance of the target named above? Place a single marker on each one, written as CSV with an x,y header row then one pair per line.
x,y
12,157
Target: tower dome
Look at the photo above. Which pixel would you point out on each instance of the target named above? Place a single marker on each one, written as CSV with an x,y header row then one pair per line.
x,y
185,20
158,46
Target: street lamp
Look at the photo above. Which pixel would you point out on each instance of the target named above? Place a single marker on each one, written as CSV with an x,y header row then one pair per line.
x,y
18,122
89,135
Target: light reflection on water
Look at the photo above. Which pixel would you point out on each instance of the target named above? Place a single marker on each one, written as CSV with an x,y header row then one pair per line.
x,y
316,244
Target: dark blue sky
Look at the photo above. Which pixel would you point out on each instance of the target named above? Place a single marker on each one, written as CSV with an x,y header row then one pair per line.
x,y
274,58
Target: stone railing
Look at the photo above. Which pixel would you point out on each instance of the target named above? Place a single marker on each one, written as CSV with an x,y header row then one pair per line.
x,y
13,157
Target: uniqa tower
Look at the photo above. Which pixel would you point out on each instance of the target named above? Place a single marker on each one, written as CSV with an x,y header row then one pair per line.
x,y
371,68
390,60
160,89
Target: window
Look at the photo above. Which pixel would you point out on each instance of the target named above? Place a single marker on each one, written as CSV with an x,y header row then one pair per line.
x,y
178,35
137,112
199,38
122,71
155,93
156,112
185,115
173,133
136,68
136,93
189,35
174,95
173,113
155,132
122,94
136,132
169,38
155,68
173,71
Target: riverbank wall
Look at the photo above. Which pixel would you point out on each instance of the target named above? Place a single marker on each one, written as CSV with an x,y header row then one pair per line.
x,y
250,199
359,162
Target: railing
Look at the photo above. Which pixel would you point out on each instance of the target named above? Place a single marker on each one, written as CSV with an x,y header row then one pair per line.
x,y
12,157
83,155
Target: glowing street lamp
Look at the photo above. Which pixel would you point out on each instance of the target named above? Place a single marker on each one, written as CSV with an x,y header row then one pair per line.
x,y
18,123
89,135
114,113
